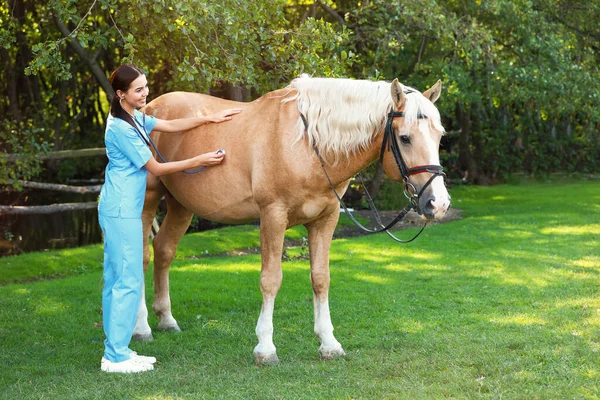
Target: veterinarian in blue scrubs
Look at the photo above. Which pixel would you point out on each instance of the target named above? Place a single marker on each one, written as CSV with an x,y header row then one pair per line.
x,y
120,209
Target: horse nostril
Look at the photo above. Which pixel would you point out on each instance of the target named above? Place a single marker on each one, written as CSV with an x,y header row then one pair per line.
x,y
429,208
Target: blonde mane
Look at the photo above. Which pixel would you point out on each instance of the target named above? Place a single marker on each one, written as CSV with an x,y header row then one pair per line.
x,y
344,115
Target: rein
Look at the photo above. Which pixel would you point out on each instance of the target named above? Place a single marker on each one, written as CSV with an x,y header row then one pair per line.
x,y
390,143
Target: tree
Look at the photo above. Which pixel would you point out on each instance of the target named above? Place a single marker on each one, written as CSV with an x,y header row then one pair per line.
x,y
520,77
59,56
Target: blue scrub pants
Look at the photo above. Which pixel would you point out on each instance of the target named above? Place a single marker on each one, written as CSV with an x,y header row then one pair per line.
x,y
123,280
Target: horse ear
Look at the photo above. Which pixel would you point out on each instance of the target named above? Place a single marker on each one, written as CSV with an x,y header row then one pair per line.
x,y
397,94
433,93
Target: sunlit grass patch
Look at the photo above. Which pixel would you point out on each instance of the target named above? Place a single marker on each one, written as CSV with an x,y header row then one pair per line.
x,y
232,266
593,229
520,319
370,278
49,306
586,262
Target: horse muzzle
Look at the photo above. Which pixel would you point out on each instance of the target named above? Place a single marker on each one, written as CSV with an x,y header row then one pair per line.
x,y
433,208
433,200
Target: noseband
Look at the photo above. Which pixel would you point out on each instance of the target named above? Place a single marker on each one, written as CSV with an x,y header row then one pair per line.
x,y
390,143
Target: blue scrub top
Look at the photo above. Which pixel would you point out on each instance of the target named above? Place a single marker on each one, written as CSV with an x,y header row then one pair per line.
x,y
124,188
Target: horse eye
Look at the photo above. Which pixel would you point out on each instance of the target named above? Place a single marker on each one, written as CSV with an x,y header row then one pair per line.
x,y
404,139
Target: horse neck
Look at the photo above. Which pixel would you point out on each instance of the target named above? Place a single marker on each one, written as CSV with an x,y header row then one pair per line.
x,y
344,170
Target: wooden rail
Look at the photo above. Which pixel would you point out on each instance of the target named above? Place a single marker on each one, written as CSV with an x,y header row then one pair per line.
x,y
57,187
52,208
49,209
62,154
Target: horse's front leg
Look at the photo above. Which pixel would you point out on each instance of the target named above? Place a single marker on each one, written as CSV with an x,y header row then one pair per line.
x,y
273,222
320,233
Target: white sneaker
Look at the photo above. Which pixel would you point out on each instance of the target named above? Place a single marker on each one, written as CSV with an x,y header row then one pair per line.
x,y
143,359
130,366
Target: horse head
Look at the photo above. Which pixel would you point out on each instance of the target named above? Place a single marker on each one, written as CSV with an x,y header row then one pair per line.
x,y
410,149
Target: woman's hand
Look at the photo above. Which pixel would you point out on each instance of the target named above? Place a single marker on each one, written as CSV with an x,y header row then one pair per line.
x,y
212,158
224,115
183,124
160,169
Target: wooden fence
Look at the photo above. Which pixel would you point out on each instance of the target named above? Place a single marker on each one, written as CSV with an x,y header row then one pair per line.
x,y
53,208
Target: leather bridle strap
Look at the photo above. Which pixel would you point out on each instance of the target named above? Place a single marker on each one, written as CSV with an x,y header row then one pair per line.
x,y
383,228
390,143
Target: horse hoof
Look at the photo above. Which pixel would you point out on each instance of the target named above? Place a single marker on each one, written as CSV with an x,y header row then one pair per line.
x,y
145,337
266,359
168,328
330,354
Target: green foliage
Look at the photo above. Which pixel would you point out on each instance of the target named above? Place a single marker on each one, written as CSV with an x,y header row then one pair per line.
x,y
21,139
61,53
521,78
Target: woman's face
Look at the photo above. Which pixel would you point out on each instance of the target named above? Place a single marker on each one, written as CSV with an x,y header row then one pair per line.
x,y
135,96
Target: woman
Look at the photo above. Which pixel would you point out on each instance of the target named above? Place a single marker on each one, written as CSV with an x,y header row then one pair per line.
x,y
120,208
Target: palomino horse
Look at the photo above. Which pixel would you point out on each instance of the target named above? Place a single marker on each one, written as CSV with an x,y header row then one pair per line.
x,y
271,173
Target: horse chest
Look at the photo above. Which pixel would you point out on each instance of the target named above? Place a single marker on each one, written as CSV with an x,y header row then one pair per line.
x,y
310,210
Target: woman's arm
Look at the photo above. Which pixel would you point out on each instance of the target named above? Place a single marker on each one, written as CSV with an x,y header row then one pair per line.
x,y
159,169
183,124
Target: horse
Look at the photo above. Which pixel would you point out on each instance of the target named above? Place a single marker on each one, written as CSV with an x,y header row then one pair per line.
x,y
279,152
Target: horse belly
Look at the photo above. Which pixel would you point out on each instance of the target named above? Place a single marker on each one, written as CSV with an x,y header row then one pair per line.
x,y
213,196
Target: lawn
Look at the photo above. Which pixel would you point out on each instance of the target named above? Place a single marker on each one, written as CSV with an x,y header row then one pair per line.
x,y
503,303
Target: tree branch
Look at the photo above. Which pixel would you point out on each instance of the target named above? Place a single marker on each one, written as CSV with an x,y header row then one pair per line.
x,y
85,56
332,12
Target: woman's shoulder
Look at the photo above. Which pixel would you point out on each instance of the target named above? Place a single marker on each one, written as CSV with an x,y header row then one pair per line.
x,y
142,116
118,130
117,125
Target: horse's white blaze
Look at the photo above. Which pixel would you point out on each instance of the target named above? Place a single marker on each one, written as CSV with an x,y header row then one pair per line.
x,y
324,327
264,329
441,200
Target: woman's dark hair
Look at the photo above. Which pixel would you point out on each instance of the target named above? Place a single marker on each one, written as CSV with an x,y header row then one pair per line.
x,y
120,79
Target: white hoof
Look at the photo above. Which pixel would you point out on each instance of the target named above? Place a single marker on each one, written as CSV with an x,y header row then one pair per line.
x,y
266,359
330,354
168,327
144,337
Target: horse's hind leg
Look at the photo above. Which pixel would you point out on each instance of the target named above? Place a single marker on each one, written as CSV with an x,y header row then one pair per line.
x,y
154,193
165,244
273,222
320,233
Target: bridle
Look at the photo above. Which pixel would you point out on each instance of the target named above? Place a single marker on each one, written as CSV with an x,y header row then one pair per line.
x,y
390,143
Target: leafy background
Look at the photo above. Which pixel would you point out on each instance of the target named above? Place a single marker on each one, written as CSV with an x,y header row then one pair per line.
x,y
521,77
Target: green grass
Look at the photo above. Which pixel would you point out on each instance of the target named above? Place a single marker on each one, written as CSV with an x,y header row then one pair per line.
x,y
501,304
67,262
